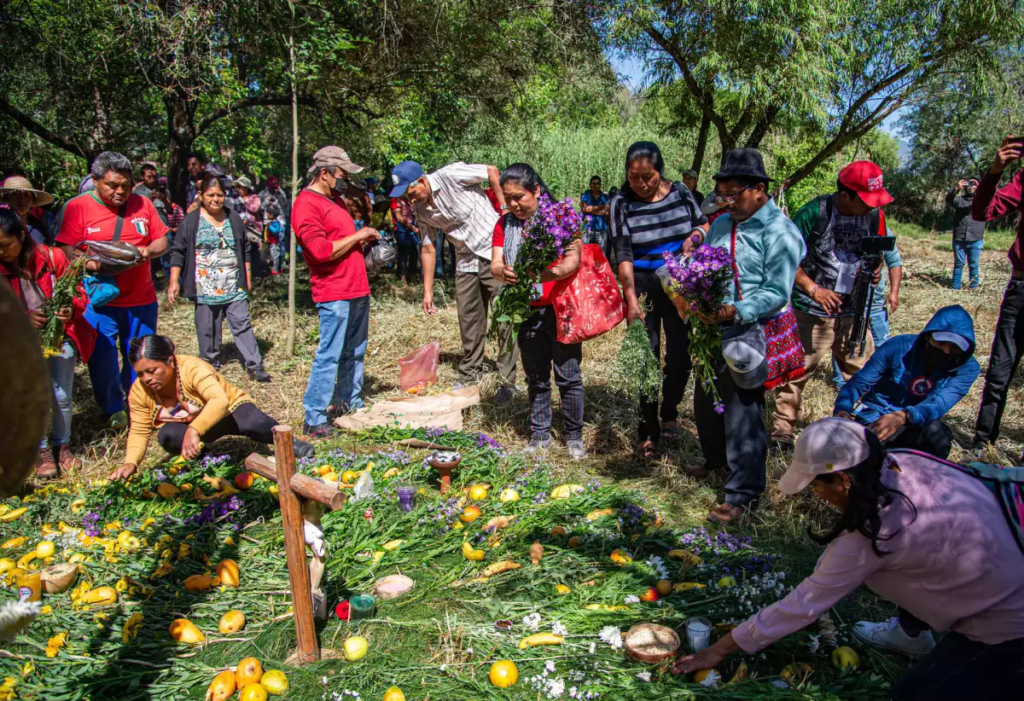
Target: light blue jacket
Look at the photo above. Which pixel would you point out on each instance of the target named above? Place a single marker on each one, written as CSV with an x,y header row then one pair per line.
x,y
769,249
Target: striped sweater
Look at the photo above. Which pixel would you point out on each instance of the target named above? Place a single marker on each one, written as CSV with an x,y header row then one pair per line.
x,y
642,231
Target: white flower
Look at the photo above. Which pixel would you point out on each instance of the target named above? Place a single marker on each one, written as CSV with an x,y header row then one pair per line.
x,y
815,643
555,688
593,648
573,691
644,676
558,628
632,599
469,651
711,680
611,635
15,616
549,666
532,621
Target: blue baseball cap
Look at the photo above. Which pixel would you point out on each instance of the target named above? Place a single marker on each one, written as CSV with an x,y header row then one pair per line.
x,y
403,175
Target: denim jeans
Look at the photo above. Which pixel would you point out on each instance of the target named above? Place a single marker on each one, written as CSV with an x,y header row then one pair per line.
x,y
62,377
878,322
117,327
337,373
971,253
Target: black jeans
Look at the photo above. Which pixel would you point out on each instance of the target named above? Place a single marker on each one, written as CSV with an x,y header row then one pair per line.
x,y
408,255
661,313
246,421
737,438
933,438
539,350
1007,348
959,668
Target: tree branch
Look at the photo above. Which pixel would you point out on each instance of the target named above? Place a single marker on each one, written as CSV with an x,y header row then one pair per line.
x,y
43,133
248,102
762,127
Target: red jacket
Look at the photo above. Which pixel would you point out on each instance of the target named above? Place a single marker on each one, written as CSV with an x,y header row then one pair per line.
x,y
991,204
81,334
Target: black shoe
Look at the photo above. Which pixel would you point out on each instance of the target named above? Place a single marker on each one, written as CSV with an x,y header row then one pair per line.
x,y
259,375
780,449
324,430
302,449
217,365
504,395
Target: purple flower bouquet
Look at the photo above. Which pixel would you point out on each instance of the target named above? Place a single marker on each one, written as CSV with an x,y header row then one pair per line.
x,y
547,236
699,284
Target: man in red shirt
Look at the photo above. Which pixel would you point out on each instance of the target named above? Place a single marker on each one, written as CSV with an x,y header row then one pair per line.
x,y
113,212
333,251
1008,343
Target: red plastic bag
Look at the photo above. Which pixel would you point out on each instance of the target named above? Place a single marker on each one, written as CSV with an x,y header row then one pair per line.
x,y
419,368
588,303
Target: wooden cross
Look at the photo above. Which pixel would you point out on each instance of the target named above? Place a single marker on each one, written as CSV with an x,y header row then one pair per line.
x,y
302,500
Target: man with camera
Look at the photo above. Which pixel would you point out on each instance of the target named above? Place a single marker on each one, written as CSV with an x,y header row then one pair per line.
x,y
968,232
1008,344
838,230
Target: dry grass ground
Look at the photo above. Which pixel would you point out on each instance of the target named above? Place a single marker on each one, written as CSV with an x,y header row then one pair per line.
x,y
398,326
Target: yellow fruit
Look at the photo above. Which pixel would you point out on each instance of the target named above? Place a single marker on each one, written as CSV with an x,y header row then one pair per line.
x,y
167,490
566,490
324,469
201,582
253,692
470,554
687,586
508,495
275,682
100,595
183,630
742,672
499,567
349,476
6,564
703,674
685,556
605,607
504,674
843,657
232,622
538,639
557,532
478,492
392,544
249,671
331,476
620,557
227,570
563,590
273,489
470,514
726,582
575,542
13,543
664,587
222,687
394,694
601,513
77,505
393,472
13,515
355,648
795,672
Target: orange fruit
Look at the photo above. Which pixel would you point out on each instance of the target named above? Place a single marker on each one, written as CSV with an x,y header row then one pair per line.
x,y
232,622
700,676
394,694
243,480
227,570
504,674
575,542
249,671
557,532
252,692
470,514
664,587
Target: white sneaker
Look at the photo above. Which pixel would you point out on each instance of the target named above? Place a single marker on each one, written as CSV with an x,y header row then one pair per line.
x,y
889,636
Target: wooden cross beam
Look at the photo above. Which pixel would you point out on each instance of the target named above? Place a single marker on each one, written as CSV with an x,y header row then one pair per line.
x,y
301,498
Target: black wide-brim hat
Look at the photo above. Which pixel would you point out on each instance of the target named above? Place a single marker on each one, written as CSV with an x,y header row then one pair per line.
x,y
742,163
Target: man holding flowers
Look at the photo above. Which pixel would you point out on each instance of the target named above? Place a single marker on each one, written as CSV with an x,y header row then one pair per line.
x,y
766,249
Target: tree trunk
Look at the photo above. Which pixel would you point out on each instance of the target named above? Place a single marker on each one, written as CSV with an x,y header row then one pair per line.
x,y
702,143
762,127
180,138
290,343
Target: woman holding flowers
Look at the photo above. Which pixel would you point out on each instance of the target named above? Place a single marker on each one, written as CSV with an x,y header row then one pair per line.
x,y
35,273
649,217
766,248
543,236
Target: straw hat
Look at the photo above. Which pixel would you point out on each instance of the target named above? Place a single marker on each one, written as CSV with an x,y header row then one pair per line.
x,y
17,183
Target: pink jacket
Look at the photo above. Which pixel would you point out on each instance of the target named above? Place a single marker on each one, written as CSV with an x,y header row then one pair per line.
x,y
955,566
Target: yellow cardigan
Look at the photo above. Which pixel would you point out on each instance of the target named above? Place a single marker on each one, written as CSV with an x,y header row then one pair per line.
x,y
200,384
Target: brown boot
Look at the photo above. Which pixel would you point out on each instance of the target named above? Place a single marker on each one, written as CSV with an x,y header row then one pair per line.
x,y
66,459
726,514
46,468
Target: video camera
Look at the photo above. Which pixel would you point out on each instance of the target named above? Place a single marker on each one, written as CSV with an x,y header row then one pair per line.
x,y
871,250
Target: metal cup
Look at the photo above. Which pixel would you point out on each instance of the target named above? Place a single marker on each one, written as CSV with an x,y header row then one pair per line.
x,y
698,634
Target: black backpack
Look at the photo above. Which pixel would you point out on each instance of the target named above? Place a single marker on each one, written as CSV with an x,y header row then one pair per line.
x,y
825,216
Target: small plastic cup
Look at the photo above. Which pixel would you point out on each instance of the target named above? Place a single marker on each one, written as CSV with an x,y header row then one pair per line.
x,y
698,634
30,586
406,498
362,606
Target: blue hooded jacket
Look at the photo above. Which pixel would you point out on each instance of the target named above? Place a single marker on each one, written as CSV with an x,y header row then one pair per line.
x,y
894,378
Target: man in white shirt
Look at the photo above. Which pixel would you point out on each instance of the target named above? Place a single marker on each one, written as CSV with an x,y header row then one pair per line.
x,y
450,200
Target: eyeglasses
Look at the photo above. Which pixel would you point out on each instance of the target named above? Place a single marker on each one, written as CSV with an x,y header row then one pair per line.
x,y
729,199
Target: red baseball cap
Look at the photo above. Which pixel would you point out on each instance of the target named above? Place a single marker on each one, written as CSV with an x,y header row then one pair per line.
x,y
865,178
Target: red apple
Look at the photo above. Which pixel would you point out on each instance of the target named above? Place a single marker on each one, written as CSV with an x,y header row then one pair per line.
x,y
650,595
243,480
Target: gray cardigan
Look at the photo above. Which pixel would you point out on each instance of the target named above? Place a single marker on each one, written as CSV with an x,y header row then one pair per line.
x,y
183,253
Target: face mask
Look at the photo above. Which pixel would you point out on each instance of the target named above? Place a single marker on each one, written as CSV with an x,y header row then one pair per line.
x,y
339,188
935,359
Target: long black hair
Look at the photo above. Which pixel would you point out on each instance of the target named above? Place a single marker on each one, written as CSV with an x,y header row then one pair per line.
x,y
639,151
523,175
152,347
865,500
11,225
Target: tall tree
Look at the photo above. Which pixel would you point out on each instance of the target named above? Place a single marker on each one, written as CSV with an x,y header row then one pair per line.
x,y
844,64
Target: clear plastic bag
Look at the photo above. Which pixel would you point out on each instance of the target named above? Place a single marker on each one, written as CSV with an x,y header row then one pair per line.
x,y
379,255
419,368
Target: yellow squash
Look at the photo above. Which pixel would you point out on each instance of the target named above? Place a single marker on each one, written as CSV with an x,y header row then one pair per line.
x,y
183,630
249,671
13,515
14,543
499,567
232,622
538,639
228,572
201,582
470,554
100,595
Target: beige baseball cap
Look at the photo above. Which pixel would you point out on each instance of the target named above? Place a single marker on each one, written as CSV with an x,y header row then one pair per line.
x,y
333,156
826,446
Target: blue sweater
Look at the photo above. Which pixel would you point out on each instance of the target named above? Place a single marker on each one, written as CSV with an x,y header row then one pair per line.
x,y
894,378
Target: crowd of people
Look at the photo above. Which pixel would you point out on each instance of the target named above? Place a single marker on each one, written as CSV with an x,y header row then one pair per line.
x,y
792,303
